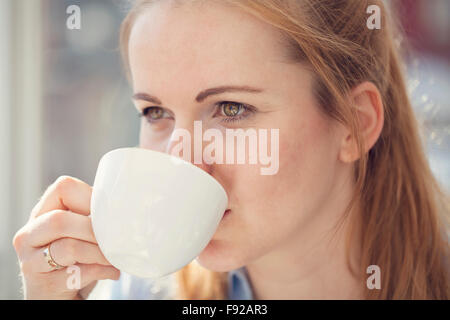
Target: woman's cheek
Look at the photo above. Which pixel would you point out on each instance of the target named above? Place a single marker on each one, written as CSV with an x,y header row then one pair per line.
x,y
152,139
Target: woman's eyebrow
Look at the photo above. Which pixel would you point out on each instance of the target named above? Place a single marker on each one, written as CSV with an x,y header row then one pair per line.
x,y
202,95
146,97
218,90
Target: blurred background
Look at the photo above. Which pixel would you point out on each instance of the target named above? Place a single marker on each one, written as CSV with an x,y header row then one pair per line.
x,y
64,100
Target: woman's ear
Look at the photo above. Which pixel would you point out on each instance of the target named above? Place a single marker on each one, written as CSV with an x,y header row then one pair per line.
x,y
367,100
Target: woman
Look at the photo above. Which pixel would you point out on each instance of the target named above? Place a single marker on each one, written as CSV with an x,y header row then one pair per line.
x,y
353,192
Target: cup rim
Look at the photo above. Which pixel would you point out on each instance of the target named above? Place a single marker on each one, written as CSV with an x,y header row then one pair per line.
x,y
169,157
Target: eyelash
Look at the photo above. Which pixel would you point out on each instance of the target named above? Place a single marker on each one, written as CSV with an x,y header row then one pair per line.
x,y
226,119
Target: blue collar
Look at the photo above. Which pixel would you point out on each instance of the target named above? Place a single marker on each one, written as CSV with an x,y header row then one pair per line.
x,y
134,288
238,285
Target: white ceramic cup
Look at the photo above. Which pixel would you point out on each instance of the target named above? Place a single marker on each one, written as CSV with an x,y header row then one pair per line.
x,y
153,213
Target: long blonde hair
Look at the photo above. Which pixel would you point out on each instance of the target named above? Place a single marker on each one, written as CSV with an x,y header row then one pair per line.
x,y
403,216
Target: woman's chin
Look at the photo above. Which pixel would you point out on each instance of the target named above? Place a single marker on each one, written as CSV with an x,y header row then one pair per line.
x,y
216,257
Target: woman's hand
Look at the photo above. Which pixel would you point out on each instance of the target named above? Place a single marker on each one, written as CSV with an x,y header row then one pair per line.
x,y
61,219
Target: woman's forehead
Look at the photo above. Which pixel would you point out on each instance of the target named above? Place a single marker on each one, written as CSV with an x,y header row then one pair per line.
x,y
213,38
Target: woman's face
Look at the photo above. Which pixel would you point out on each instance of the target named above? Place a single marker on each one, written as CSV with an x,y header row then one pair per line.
x,y
176,53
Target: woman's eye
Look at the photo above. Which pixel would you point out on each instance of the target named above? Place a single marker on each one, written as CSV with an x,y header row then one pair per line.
x,y
153,114
227,110
233,111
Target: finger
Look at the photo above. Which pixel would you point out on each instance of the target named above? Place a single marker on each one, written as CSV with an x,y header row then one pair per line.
x,y
69,251
66,193
58,224
36,262
65,252
93,272
74,277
